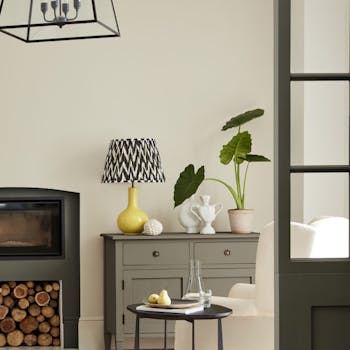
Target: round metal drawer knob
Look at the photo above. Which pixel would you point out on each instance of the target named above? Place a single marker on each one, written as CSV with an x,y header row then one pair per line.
x,y
156,253
227,252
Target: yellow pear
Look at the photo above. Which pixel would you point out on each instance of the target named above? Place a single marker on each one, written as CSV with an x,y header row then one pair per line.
x,y
164,298
153,298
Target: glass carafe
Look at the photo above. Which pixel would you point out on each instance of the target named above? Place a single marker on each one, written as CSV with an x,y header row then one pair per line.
x,y
195,284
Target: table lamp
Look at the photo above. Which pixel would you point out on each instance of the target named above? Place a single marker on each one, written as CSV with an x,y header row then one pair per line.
x,y
132,160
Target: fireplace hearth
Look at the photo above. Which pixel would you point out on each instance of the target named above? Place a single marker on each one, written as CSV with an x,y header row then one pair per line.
x,y
39,241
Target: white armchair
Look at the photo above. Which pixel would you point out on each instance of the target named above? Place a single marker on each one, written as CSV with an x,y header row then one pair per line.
x,y
332,239
251,326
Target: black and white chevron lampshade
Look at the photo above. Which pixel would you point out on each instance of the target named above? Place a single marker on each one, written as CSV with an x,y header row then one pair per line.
x,y
133,160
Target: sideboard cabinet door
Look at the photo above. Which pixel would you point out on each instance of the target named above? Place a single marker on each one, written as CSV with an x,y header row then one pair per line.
x,y
220,281
140,284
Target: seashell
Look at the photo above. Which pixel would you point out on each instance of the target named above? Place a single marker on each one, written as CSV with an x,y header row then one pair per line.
x,y
153,227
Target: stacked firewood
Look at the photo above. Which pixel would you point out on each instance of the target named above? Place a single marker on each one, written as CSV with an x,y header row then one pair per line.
x,y
29,313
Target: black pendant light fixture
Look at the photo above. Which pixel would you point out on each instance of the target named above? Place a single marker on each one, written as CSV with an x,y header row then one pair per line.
x,y
54,20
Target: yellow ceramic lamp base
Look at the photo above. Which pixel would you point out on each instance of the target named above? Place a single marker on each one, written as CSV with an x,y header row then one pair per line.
x,y
132,219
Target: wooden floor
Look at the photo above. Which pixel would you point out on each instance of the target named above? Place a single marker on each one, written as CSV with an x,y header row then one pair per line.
x,y
34,348
149,343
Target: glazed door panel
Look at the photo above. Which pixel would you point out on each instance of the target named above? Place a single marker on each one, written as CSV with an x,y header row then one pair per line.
x,y
312,159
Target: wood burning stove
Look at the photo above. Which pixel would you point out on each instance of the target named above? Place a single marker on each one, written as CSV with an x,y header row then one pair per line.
x,y
39,241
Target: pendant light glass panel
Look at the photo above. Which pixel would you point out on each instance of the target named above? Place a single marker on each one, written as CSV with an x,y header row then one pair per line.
x,y
46,20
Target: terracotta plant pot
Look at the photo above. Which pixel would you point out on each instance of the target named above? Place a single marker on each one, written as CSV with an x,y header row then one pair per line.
x,y
241,220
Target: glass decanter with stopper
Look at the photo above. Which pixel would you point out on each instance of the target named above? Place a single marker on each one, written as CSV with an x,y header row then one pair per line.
x,y
195,286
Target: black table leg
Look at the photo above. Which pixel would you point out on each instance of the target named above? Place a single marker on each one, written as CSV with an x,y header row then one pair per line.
x,y
220,345
108,341
165,335
137,334
193,335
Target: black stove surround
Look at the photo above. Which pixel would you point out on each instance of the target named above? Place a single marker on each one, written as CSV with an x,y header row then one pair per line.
x,y
39,240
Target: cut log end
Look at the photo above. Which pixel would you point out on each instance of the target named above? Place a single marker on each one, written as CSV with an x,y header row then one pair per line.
x,y
7,325
30,339
30,284
44,327
18,315
20,291
56,342
53,303
40,318
44,339
55,321
4,310
42,298
34,310
38,288
54,294
2,340
23,303
56,286
5,289
47,311
12,284
29,324
48,287
55,332
15,338
9,302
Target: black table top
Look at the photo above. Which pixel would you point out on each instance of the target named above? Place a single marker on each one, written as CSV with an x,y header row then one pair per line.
x,y
211,313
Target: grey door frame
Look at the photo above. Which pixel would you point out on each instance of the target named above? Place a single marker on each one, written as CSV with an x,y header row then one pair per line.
x,y
294,305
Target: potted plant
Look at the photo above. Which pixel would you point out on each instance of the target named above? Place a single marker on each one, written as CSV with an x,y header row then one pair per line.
x,y
238,152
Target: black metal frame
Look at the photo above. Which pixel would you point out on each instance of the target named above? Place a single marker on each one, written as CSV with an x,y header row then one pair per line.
x,y
57,248
114,33
137,333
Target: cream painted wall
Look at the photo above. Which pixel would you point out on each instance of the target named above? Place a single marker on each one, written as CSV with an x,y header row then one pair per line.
x,y
179,71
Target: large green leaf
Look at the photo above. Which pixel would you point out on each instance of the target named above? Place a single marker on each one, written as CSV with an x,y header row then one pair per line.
x,y
256,158
187,184
237,148
243,118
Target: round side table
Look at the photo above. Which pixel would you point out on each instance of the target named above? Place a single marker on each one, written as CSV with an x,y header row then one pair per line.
x,y
214,312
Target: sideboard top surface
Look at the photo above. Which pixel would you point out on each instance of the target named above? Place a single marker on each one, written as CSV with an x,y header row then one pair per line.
x,y
181,236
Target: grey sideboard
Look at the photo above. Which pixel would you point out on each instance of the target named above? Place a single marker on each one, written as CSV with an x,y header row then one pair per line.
x,y
136,266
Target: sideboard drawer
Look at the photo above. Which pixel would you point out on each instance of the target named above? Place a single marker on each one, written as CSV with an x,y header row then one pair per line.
x,y
225,252
155,253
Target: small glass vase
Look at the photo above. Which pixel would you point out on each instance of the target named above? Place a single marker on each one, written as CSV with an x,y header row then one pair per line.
x,y
195,284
